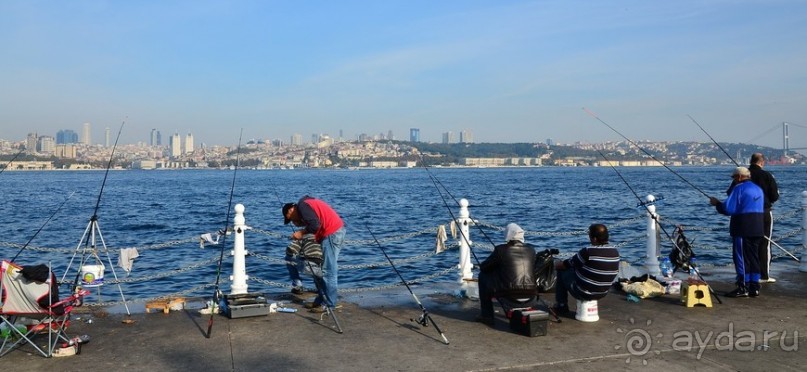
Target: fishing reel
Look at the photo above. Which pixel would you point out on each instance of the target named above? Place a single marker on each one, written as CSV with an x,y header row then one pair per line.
x,y
650,202
422,320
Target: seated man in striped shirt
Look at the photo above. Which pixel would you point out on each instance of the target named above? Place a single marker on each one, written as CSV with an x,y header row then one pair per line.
x,y
587,275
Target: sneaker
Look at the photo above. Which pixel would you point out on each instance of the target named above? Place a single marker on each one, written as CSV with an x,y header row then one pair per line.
x,y
311,305
739,292
769,280
297,290
753,292
486,320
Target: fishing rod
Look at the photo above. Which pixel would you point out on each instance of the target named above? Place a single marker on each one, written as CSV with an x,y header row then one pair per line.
x,y
424,318
320,290
94,218
655,218
737,164
43,226
713,141
12,160
216,293
647,153
438,185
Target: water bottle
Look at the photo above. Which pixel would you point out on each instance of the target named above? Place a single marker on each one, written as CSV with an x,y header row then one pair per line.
x,y
286,310
666,267
693,270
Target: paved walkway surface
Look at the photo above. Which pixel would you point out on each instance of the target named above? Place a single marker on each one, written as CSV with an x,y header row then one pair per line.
x,y
751,334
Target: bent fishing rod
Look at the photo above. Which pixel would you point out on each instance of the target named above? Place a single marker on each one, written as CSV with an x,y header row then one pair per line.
x,y
646,152
713,141
216,293
655,218
424,318
737,164
43,225
12,160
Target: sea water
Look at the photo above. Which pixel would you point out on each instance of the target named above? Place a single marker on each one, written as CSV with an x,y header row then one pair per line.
x,y
555,205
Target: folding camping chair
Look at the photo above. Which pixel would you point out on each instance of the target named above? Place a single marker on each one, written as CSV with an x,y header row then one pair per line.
x,y
32,300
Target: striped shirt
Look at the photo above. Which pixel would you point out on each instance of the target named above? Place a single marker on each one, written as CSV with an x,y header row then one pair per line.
x,y
307,248
596,267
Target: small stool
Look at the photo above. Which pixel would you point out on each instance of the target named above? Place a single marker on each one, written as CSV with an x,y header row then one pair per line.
x,y
587,311
697,294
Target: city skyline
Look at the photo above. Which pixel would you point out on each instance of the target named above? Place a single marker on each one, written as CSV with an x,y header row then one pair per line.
x,y
511,71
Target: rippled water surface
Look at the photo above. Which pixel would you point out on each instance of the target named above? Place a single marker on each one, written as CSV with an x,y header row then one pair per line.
x,y
146,208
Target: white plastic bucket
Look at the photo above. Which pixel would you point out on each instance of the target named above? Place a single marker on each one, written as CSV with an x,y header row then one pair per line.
x,y
92,276
587,311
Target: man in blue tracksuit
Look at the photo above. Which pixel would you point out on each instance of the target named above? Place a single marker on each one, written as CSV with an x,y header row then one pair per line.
x,y
746,206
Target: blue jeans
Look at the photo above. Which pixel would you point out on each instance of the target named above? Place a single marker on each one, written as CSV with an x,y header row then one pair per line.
x,y
330,268
296,265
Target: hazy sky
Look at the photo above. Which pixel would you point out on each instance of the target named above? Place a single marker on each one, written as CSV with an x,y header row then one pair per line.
x,y
508,71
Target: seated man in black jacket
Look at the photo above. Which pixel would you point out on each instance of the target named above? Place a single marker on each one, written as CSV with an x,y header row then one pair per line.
x,y
507,274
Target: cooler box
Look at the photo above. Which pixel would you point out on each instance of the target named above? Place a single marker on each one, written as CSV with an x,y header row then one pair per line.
x,y
530,323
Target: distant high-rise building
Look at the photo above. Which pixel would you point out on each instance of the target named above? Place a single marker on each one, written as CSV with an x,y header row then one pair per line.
x,y
66,136
466,136
390,136
30,143
65,151
46,145
414,135
296,139
341,136
550,142
448,137
85,134
188,144
315,138
106,137
154,137
176,145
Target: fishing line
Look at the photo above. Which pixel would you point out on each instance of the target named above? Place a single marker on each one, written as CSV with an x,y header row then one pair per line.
x,y
647,153
713,140
438,185
216,293
43,225
108,165
94,218
655,218
11,161
424,318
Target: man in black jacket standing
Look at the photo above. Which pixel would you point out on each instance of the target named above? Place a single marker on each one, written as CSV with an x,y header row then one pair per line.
x,y
770,190
765,180
507,273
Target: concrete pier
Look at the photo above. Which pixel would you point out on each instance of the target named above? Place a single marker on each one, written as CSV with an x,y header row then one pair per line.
x,y
748,334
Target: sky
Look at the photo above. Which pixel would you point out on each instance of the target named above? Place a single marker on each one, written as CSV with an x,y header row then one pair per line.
x,y
507,71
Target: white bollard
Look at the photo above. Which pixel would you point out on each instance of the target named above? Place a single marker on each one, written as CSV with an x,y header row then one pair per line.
x,y
239,277
803,266
651,261
468,287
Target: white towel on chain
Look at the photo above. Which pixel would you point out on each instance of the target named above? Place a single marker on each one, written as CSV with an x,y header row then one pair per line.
x,y
208,237
126,258
441,239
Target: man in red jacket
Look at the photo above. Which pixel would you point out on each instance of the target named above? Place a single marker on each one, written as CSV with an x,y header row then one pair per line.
x,y
318,218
